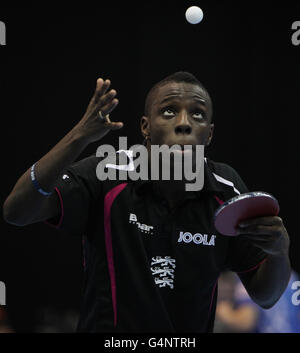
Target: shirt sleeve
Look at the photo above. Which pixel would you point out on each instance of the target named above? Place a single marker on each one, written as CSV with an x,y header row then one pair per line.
x,y
78,191
243,255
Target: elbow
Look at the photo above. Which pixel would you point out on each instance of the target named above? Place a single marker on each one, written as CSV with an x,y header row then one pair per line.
x,y
9,214
267,304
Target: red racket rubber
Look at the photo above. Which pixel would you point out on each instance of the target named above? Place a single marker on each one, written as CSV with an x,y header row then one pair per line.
x,y
242,207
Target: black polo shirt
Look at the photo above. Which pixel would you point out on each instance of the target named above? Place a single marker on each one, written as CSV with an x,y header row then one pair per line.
x,y
148,268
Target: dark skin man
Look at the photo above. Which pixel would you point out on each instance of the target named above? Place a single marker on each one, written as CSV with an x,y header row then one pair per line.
x,y
180,114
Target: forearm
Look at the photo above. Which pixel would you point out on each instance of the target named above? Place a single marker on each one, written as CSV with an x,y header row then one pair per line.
x,y
24,203
270,280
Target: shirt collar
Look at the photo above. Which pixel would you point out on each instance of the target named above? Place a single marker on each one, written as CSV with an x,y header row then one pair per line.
x,y
210,182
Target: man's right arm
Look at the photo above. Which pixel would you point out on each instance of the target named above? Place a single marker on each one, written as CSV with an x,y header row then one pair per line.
x,y
25,205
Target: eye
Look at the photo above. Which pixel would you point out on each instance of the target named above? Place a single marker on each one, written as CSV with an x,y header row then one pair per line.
x,y
198,115
168,112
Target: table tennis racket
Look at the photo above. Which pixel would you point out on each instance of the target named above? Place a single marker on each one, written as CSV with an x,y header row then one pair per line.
x,y
242,207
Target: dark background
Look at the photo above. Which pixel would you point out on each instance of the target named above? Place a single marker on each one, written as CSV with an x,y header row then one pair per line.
x,y
242,53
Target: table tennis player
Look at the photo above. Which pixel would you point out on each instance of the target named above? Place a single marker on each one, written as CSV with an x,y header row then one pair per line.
x,y
152,256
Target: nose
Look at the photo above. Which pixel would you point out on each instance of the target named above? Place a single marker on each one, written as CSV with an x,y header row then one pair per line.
x,y
183,125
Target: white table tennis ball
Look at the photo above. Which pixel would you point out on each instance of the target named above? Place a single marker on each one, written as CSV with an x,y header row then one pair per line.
x,y
194,15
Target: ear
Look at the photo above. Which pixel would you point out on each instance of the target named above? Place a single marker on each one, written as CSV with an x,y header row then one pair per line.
x,y
145,126
212,127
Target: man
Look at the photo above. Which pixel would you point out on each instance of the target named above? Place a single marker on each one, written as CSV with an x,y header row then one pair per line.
x,y
152,254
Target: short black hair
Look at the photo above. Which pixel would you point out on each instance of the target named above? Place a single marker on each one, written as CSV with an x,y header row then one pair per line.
x,y
179,76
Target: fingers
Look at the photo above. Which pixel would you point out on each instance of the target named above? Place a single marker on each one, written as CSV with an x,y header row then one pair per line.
x,y
103,99
106,99
101,88
260,232
262,226
109,107
102,96
267,221
116,125
113,125
267,233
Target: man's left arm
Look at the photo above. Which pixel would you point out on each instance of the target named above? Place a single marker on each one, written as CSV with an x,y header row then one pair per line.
x,y
266,285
